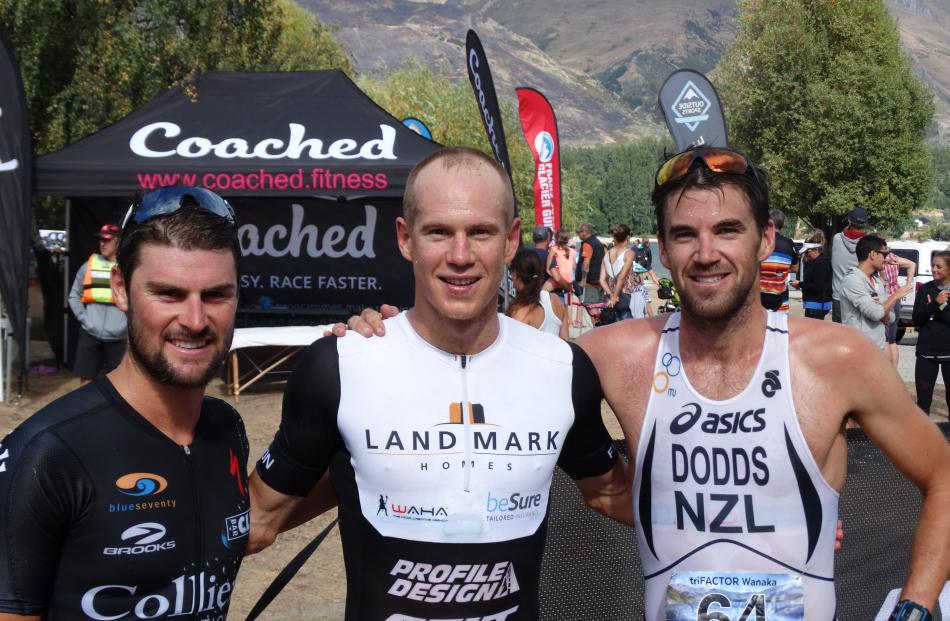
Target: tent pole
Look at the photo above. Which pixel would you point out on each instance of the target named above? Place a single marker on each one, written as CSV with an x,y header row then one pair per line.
x,y
3,355
66,285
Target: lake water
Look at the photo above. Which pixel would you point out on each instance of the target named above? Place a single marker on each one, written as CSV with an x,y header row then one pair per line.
x,y
658,267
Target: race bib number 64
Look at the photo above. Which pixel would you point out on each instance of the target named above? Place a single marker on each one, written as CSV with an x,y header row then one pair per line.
x,y
734,596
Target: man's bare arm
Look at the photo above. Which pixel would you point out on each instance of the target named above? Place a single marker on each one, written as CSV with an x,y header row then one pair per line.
x,y
273,513
270,513
321,499
885,411
610,493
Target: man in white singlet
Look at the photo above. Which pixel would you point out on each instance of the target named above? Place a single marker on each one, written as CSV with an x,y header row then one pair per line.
x,y
737,428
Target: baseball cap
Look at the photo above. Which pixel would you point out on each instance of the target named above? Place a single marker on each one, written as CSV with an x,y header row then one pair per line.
x,y
807,246
858,216
109,231
540,233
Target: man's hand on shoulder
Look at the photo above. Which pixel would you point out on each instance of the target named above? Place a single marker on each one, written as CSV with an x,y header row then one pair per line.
x,y
368,323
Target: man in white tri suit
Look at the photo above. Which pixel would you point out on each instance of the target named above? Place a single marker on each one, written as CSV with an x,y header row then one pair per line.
x,y
442,471
737,428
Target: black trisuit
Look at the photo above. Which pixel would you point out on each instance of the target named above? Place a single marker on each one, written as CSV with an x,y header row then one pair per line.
x,y
104,517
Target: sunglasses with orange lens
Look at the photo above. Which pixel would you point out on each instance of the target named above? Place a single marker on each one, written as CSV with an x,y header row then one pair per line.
x,y
716,160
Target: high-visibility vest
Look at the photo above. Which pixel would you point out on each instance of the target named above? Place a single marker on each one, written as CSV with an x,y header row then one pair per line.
x,y
95,285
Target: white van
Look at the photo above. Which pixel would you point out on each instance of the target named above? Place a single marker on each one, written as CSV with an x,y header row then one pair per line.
x,y
920,253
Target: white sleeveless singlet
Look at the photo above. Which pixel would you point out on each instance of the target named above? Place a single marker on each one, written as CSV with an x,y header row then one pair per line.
x,y
733,514
551,323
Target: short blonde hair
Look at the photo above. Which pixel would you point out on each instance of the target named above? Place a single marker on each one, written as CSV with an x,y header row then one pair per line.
x,y
456,157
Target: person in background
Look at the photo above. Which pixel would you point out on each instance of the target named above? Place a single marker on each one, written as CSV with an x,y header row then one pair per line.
x,y
644,256
889,273
864,304
560,264
932,319
773,272
102,325
541,237
843,257
815,283
532,304
622,288
587,272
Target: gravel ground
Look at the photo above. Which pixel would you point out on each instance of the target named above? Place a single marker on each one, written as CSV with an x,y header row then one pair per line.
x,y
318,592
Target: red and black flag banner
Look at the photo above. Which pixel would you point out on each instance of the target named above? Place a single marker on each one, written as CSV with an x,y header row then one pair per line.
x,y
479,74
15,207
693,114
540,130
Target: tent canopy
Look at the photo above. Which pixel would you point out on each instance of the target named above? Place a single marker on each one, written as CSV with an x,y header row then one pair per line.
x,y
245,134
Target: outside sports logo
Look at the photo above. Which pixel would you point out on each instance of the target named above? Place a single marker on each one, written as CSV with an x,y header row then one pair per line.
x,y
691,107
141,484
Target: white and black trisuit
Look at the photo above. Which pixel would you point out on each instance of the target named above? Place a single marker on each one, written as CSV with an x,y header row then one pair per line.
x,y
441,463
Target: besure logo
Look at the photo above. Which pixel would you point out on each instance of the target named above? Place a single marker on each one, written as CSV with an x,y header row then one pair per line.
x,y
513,507
143,538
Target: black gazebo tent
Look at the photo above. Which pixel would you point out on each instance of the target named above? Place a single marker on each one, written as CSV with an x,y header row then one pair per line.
x,y
314,168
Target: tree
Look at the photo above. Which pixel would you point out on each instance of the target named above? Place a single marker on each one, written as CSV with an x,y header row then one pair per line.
x,y
819,93
617,180
449,110
941,197
87,63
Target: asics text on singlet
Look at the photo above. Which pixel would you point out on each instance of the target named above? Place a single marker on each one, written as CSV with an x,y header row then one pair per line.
x,y
441,464
733,515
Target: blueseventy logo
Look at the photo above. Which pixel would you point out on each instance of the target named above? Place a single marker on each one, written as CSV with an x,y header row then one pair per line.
x,y
141,484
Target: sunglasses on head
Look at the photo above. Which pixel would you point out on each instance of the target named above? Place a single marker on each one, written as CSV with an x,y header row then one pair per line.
x,y
169,200
716,160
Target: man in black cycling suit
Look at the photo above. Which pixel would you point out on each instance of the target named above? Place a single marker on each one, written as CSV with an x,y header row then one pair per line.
x,y
127,498
440,450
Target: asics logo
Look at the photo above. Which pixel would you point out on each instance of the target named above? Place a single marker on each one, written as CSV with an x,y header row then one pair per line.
x,y
739,421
